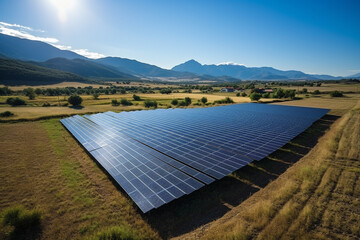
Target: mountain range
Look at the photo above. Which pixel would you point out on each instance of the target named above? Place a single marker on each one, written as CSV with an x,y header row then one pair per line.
x,y
247,73
29,54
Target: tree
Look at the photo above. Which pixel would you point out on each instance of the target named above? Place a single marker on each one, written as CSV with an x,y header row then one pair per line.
x,y
149,104
187,101
255,96
75,100
243,94
115,102
238,94
165,91
125,102
336,94
174,102
304,90
29,92
136,97
316,92
204,100
15,101
96,95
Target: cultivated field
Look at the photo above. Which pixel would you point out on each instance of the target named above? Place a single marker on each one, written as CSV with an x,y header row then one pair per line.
x,y
308,189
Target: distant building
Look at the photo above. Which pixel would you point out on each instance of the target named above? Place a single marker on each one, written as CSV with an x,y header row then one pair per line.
x,y
227,89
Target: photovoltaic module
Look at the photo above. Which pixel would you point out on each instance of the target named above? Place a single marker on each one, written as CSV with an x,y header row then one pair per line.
x,y
157,156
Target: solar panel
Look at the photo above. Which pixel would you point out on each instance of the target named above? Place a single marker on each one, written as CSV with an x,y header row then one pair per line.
x,y
159,155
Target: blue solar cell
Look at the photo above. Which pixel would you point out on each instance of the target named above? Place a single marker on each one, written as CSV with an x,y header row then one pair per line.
x,y
159,155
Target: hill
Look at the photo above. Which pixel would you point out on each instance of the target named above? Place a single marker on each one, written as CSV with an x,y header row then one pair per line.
x,y
141,69
246,73
85,68
15,72
30,50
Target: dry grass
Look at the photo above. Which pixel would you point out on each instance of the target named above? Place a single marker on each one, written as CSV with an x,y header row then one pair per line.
x,y
317,198
40,168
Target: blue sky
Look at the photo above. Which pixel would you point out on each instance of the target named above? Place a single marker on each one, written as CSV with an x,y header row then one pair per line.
x,y
312,36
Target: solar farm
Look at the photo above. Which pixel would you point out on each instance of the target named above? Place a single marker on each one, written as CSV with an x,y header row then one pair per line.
x,y
157,156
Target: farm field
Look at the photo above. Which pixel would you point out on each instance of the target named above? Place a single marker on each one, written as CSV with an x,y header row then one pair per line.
x,y
44,168
35,109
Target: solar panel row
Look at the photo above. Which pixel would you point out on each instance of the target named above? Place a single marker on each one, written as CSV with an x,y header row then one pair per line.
x,y
159,155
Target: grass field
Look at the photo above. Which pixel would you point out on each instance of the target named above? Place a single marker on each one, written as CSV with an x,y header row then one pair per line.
x,y
34,109
307,189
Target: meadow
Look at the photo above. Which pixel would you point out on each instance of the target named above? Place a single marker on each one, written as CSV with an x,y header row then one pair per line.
x,y
307,189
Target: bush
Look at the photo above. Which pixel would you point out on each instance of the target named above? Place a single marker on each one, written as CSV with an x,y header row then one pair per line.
x,y
174,102
125,102
149,104
75,100
243,94
238,94
29,92
204,100
182,104
187,101
6,114
336,94
15,101
26,224
96,96
115,102
46,104
316,92
165,91
255,96
224,101
136,97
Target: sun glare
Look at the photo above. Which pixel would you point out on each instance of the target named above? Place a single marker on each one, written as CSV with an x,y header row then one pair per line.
x,y
63,8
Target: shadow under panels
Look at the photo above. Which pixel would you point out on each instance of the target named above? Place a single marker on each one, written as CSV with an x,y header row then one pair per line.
x,y
159,155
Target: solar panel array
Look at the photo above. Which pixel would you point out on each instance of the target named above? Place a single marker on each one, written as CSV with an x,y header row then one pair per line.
x,y
159,155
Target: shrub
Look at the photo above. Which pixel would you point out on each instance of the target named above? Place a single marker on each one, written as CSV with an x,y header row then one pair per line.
x,y
115,102
255,96
238,94
6,114
182,103
96,96
149,104
316,92
243,94
125,102
26,224
46,104
15,101
224,101
165,91
336,94
266,95
187,101
204,100
174,102
75,100
29,92
136,97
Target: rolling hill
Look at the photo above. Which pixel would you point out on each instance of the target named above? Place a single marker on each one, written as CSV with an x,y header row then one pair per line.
x,y
85,68
137,68
15,72
30,50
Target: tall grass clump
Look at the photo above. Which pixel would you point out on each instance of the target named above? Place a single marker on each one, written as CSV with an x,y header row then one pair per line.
x,y
24,224
117,233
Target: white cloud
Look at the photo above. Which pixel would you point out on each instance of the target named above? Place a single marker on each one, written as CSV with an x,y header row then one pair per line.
x,y
230,63
20,31
88,54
